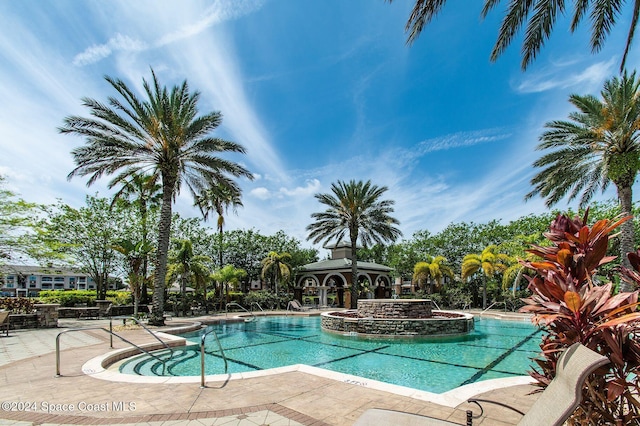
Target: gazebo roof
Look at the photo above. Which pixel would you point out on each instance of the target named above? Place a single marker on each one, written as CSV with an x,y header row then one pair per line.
x,y
342,264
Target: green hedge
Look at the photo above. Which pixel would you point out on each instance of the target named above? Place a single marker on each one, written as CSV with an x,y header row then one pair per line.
x,y
70,298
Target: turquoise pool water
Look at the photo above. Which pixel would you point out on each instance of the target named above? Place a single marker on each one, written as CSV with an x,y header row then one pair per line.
x,y
496,349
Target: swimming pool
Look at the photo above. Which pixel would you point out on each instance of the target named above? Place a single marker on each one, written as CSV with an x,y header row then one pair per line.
x,y
495,349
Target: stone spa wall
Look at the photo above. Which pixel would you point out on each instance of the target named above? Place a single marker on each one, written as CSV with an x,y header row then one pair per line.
x,y
442,323
394,308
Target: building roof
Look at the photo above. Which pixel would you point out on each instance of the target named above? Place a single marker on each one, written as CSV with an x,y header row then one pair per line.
x,y
46,270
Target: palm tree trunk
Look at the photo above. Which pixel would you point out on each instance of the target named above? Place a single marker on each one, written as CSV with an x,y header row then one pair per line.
x,y
354,273
627,236
164,232
145,262
484,293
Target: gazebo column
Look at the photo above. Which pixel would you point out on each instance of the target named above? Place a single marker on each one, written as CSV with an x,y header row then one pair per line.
x,y
322,294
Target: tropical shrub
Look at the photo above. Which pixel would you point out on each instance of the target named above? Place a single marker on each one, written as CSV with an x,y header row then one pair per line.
x,y
71,298
265,298
17,305
570,302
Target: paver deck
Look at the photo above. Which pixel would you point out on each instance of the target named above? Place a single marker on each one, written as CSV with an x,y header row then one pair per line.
x,y
31,394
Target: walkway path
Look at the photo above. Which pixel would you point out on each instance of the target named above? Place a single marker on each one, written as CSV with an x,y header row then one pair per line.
x,y
31,394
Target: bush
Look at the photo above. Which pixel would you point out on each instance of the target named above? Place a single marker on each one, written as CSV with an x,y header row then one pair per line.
x,y
569,304
70,298
265,298
17,305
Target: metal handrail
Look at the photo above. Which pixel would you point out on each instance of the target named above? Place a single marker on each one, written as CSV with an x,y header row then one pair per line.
x,y
241,307
433,302
164,365
224,357
258,305
491,306
147,330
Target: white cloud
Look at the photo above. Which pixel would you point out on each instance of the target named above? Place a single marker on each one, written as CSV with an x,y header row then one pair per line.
x,y
220,11
461,139
261,193
560,76
98,52
311,187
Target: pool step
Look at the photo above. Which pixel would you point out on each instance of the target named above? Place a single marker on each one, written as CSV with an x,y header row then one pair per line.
x,y
148,366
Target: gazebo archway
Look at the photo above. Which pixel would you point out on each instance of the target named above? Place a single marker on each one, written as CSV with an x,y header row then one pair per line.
x,y
333,275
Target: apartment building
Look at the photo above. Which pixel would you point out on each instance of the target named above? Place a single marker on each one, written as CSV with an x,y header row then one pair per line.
x,y
27,281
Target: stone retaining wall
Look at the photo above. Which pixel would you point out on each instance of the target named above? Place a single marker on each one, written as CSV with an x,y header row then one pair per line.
x,y
394,308
399,327
19,321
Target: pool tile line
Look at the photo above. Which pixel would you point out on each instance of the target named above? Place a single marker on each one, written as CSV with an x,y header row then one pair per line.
x,y
362,352
499,359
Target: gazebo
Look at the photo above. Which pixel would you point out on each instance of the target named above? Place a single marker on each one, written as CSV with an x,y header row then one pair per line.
x,y
335,274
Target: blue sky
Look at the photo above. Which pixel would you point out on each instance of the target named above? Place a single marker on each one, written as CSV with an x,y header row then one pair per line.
x,y
316,90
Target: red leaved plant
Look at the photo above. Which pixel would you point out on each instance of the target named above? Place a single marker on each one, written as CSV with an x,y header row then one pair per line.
x,y
573,306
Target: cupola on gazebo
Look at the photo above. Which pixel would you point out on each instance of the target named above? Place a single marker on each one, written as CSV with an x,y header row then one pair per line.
x,y
334,275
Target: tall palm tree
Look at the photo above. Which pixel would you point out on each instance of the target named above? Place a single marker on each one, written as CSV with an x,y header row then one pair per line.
x,y
219,199
540,16
162,135
278,267
354,210
144,191
599,145
434,270
488,263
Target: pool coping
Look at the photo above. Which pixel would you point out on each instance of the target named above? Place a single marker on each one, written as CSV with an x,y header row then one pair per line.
x,y
104,367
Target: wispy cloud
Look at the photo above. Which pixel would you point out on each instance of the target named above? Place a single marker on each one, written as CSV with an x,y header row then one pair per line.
x,y
220,11
97,52
311,187
460,139
561,76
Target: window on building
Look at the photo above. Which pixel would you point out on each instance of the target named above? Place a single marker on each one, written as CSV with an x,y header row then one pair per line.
x,y
46,286
47,279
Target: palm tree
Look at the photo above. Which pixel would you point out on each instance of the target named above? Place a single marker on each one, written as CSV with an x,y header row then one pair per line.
x,y
188,267
278,267
600,144
229,274
219,199
488,263
135,255
144,191
434,269
162,135
355,211
540,16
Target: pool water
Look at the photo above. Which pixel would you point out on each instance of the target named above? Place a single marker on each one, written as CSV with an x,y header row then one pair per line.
x,y
495,349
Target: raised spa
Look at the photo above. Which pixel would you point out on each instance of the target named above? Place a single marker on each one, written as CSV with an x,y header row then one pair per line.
x,y
397,317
